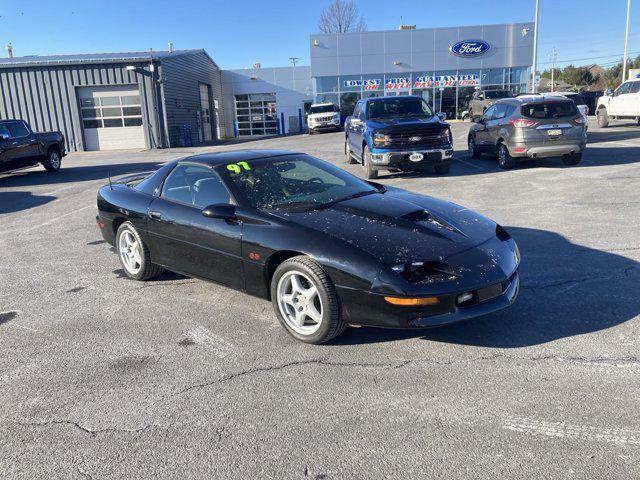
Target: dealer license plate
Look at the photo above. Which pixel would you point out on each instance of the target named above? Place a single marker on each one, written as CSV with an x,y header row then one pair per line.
x,y
416,157
554,132
489,292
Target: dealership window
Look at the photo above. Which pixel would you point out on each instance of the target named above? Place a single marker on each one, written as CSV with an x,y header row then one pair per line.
x,y
256,114
348,102
327,84
112,111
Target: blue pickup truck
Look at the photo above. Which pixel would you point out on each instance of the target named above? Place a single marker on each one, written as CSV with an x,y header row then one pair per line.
x,y
397,134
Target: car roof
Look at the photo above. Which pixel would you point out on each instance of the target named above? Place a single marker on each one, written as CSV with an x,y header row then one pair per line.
x,y
538,98
218,158
556,94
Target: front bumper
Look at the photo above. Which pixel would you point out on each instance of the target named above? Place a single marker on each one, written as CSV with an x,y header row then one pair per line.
x,y
382,159
324,126
370,309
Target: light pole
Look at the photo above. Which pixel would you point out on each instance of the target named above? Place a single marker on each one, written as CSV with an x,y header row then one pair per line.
x,y
294,60
626,42
535,51
554,57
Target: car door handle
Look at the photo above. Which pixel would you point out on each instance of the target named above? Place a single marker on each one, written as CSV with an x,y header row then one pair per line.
x,y
33,140
155,215
14,143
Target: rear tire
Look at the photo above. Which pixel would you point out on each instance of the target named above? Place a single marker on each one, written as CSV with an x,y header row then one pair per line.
x,y
574,159
603,118
53,161
472,149
442,169
289,295
369,172
134,255
505,160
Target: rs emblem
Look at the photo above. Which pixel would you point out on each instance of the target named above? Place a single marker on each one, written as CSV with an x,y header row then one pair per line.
x,y
415,139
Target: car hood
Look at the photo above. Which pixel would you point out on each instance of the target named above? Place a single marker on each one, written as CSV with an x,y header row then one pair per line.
x,y
398,123
398,226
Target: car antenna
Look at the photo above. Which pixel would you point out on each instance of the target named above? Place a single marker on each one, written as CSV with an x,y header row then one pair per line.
x,y
109,175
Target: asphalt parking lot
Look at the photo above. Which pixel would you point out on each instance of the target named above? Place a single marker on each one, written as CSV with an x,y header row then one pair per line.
x,y
104,377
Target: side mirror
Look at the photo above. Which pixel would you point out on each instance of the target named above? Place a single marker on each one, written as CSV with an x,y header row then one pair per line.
x,y
608,92
224,211
482,120
442,115
4,136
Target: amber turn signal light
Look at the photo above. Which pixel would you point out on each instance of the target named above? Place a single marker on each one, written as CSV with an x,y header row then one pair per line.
x,y
412,302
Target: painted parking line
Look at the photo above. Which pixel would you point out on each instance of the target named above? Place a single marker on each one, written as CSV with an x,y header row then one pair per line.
x,y
469,163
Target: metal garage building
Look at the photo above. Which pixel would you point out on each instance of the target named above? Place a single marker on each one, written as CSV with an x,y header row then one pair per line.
x,y
117,100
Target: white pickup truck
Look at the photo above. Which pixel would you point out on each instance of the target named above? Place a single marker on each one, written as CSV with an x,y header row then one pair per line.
x,y
621,104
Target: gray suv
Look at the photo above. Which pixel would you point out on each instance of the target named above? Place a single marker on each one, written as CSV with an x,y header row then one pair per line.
x,y
530,126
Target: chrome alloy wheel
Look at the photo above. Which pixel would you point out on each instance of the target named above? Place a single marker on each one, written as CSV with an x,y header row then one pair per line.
x,y
54,160
299,302
130,255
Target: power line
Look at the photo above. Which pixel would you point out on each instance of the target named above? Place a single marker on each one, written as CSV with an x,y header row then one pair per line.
x,y
590,58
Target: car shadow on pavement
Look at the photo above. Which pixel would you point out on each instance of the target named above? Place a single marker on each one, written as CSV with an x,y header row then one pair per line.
x,y
29,178
14,201
602,135
567,290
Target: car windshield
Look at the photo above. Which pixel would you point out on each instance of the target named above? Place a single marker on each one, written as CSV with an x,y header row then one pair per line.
x,y
291,181
552,109
394,107
322,109
497,94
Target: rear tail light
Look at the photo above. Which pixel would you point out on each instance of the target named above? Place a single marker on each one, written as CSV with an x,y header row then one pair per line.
x,y
522,123
580,120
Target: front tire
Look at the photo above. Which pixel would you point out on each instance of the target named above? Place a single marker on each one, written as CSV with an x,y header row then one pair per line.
x,y
305,301
134,255
603,118
505,160
348,154
53,161
370,173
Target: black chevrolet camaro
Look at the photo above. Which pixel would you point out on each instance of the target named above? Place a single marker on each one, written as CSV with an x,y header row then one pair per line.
x,y
327,248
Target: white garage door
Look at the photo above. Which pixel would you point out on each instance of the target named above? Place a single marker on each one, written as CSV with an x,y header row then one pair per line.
x,y
111,117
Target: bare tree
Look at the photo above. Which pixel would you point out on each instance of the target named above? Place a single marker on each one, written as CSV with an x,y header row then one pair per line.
x,y
341,16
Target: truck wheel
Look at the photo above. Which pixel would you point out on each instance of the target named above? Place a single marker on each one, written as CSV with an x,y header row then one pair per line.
x,y
347,152
369,172
52,161
574,159
603,118
442,169
505,160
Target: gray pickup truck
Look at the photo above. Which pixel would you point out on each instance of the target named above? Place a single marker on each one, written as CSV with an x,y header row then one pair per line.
x,y
20,147
482,99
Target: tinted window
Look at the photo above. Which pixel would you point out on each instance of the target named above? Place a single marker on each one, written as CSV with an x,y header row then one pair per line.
x,y
500,112
193,184
493,94
624,88
322,109
635,87
17,129
389,106
297,181
4,130
576,97
552,109
488,114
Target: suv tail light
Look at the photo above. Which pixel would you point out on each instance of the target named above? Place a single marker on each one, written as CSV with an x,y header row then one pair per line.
x,y
580,120
522,123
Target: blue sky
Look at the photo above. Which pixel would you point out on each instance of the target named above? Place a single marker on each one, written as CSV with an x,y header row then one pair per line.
x,y
236,34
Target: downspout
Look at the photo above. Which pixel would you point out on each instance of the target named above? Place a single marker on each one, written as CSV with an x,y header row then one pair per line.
x,y
165,124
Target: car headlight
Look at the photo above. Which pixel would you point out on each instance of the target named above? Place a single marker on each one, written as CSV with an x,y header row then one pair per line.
x,y
380,139
425,272
446,136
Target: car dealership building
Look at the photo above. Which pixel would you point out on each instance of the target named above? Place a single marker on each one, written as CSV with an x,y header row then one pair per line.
x,y
178,98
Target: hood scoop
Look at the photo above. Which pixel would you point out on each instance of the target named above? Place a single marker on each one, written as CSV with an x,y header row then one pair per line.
x,y
427,219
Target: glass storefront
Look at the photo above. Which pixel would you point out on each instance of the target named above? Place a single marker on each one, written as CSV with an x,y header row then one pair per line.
x,y
446,91
256,114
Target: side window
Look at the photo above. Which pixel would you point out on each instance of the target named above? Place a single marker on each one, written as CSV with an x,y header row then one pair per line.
x,y
500,112
17,129
488,114
358,111
635,87
4,131
622,89
196,185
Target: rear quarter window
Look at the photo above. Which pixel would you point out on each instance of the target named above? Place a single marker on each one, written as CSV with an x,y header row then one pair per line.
x,y
551,109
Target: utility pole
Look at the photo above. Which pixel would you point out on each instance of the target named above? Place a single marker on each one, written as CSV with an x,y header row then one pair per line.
x,y
626,42
554,57
535,51
294,60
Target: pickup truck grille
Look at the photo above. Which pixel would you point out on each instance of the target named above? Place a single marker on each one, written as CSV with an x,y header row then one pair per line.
x,y
427,138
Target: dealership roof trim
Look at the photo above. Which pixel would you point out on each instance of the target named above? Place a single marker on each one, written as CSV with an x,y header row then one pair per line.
x,y
82,58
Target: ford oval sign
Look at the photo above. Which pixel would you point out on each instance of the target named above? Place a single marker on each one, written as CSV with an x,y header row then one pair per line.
x,y
470,48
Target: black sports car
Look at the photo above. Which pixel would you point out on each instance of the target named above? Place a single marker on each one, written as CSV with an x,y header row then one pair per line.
x,y
327,248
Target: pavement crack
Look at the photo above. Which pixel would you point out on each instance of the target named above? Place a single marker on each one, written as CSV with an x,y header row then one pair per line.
x,y
91,432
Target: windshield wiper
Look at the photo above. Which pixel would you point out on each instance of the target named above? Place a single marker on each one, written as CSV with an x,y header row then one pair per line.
x,y
349,197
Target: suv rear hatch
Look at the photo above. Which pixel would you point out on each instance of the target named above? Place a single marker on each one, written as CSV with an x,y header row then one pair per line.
x,y
552,122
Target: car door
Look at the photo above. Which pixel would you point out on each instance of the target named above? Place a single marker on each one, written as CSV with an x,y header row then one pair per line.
x,y
482,132
494,125
21,148
356,129
620,99
634,97
182,239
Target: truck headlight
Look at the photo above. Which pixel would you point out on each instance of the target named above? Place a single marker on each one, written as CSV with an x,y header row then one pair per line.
x,y
380,139
446,137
